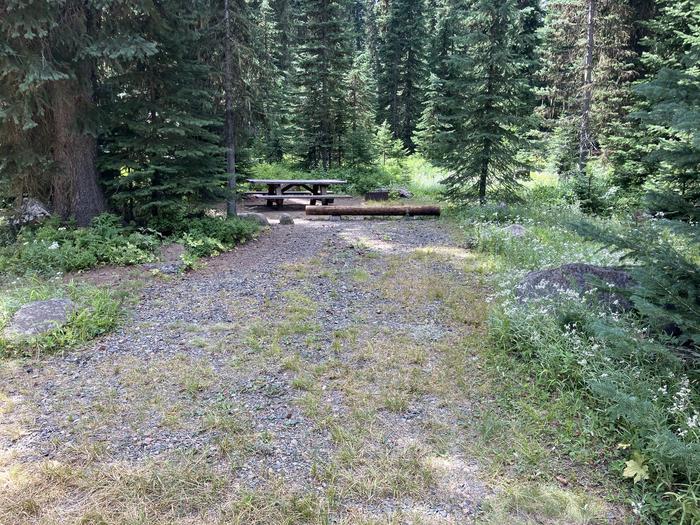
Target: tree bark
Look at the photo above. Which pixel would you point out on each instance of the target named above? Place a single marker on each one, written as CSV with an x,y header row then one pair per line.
x,y
230,131
585,140
75,188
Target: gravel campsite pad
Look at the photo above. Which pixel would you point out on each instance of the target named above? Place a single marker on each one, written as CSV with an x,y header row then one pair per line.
x,y
319,374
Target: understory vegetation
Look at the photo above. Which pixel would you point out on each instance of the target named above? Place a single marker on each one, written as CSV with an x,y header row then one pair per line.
x,y
623,383
97,311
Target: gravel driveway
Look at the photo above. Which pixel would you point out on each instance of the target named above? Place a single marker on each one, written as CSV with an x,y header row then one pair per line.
x,y
314,375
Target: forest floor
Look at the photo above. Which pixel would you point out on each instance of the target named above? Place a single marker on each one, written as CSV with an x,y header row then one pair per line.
x,y
327,372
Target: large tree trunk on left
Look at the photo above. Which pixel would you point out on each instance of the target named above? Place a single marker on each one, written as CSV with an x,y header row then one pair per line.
x,y
75,190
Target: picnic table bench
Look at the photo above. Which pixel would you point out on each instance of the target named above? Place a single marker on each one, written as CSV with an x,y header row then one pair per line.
x,y
278,190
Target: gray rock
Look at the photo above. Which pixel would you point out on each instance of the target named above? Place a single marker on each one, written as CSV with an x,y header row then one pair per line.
x,y
580,278
516,230
403,193
39,317
257,217
169,268
31,211
285,218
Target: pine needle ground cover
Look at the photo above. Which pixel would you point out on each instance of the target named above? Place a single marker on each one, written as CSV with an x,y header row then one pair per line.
x,y
602,386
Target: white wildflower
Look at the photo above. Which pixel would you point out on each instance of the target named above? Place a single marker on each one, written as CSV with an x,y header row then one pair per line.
x,y
53,246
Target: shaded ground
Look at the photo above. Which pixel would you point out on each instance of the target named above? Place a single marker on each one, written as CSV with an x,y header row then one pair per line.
x,y
321,374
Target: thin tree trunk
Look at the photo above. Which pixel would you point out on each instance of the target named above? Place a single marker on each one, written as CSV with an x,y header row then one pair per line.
x,y
230,131
585,140
483,176
75,188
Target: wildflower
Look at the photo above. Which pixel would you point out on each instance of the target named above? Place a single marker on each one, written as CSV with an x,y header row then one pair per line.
x,y
53,246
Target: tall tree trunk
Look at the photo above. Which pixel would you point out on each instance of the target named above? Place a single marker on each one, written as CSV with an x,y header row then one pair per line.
x,y
585,140
75,188
483,175
230,131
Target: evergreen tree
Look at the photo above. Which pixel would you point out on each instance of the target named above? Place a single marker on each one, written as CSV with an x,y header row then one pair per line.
x,y
161,153
403,68
271,99
672,97
48,62
482,108
323,62
387,146
360,102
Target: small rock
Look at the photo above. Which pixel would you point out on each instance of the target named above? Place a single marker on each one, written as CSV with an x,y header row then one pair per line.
x,y
516,230
31,211
285,218
39,317
257,217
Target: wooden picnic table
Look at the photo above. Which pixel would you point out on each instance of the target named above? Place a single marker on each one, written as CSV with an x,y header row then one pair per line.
x,y
306,189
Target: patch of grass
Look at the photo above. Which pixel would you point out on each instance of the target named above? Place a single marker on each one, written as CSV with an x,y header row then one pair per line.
x,y
540,504
173,488
98,310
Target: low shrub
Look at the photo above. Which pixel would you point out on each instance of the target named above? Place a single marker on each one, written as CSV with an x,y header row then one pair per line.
x,y
52,247
212,235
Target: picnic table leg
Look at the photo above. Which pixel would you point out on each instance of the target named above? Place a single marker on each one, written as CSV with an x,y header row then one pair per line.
x,y
314,190
323,191
274,190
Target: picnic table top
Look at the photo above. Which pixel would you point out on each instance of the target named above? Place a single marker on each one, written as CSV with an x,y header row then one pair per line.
x,y
321,182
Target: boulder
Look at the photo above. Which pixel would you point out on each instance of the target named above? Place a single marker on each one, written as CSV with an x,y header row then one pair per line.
x,y
31,211
257,217
403,193
39,317
579,278
516,230
285,218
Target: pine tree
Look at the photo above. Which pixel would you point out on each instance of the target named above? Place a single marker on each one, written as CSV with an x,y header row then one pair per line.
x,y
483,106
403,68
672,96
360,103
323,61
271,100
161,153
48,58
388,147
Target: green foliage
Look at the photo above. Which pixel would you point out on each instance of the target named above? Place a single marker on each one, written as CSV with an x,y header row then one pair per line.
x,y
636,385
402,68
213,235
160,154
323,61
478,113
388,148
98,310
51,247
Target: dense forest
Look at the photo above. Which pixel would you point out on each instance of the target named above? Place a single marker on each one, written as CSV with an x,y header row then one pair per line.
x,y
530,356
149,108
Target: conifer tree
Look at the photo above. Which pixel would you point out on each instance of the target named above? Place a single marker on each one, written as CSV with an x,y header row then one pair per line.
x,y
403,68
388,147
672,96
482,108
161,151
360,102
48,63
323,61
271,99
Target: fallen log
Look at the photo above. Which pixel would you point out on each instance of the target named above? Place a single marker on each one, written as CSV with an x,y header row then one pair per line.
x,y
373,210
